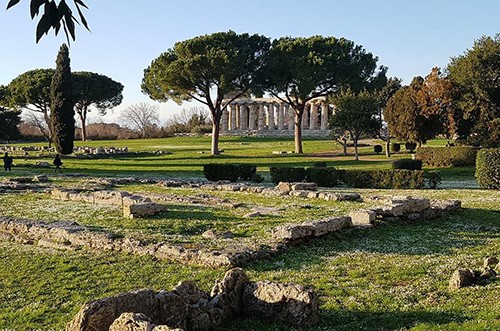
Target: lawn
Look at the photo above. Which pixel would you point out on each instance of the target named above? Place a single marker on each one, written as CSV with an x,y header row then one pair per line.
x,y
392,277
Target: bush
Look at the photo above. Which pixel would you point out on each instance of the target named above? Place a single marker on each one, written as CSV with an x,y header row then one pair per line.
x,y
395,147
287,174
459,156
407,164
410,146
319,164
323,176
377,149
488,168
399,179
231,172
433,179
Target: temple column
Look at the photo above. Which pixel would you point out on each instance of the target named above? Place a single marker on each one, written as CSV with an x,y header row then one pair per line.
x,y
243,117
233,117
281,116
314,117
224,120
262,117
251,117
237,114
305,118
291,118
270,116
324,116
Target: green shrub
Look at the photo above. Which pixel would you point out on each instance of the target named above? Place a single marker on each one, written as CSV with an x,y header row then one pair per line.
x,y
410,146
319,164
401,179
459,156
287,174
324,176
488,168
433,179
395,147
232,172
407,164
377,149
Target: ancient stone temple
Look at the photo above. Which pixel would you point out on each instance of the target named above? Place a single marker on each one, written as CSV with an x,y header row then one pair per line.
x,y
272,116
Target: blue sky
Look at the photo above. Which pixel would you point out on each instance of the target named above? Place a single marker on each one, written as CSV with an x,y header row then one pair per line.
x,y
409,37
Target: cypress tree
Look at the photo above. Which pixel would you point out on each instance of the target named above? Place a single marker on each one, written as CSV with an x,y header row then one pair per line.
x,y
61,104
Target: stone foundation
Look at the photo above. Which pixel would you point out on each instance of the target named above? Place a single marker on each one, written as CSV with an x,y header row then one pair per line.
x,y
189,308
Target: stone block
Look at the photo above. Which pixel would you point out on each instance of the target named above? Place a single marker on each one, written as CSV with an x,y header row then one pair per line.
x,y
461,278
134,199
299,194
292,232
109,197
304,186
490,262
312,195
283,187
131,322
142,209
321,227
363,217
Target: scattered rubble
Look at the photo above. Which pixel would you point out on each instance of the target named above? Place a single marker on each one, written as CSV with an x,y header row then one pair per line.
x,y
468,277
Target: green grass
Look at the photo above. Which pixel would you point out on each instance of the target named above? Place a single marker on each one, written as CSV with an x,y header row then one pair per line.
x,y
392,277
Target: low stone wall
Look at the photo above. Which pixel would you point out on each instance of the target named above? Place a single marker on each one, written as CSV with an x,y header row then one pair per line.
x,y
100,150
186,307
133,205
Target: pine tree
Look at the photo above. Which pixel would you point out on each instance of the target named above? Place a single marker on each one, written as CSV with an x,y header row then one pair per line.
x,y
62,106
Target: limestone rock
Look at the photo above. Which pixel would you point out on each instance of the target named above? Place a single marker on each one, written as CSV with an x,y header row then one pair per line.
x,y
304,186
490,261
142,209
290,303
487,273
42,164
363,217
172,310
100,314
131,322
189,292
291,232
461,278
227,293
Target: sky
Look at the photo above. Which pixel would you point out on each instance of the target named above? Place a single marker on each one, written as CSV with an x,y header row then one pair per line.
x,y
409,37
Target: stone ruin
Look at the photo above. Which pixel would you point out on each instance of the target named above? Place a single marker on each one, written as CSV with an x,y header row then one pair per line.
x,y
133,205
100,150
188,308
468,277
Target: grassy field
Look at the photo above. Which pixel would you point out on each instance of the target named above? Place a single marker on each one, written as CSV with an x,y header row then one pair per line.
x,y
392,277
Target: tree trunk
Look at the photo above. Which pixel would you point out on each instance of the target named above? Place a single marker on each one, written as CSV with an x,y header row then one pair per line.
x,y
344,146
49,127
388,147
83,119
298,133
356,155
215,137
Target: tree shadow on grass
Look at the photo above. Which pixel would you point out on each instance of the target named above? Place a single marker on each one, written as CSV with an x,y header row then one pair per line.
x,y
351,320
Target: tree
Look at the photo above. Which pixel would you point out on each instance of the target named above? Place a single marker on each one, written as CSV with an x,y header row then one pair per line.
x,y
405,118
208,69
62,106
31,91
99,91
189,119
391,87
477,75
55,14
300,69
9,119
141,117
357,114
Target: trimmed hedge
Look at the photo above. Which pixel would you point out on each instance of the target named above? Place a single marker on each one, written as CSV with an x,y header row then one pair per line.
x,y
395,147
399,179
410,146
488,168
377,149
231,172
407,164
324,176
287,174
447,156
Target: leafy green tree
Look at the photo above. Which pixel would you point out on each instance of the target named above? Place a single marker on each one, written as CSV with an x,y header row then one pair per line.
x,y
356,113
300,69
391,87
54,16
9,119
31,91
208,69
477,73
405,118
62,106
94,90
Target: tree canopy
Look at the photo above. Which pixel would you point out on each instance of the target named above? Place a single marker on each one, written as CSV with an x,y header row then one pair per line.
x,y
62,105
477,74
300,69
94,90
356,113
54,16
9,119
208,69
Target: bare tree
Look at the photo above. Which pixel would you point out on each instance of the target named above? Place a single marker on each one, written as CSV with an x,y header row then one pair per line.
x,y
38,121
141,117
